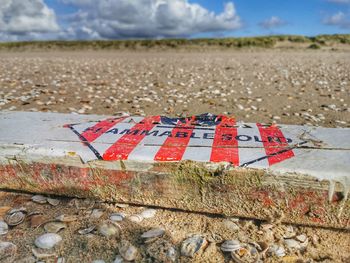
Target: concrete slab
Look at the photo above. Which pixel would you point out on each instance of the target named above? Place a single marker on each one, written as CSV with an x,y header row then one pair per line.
x,y
202,163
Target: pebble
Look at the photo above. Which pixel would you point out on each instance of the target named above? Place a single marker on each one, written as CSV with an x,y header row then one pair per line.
x,y
128,251
47,241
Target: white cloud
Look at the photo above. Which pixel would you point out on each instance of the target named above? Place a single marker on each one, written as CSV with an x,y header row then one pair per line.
x,y
147,18
272,22
22,19
339,19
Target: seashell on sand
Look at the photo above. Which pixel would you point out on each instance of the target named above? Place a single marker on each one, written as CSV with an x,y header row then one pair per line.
x,y
148,213
53,202
108,229
48,240
155,232
40,199
4,228
86,231
66,218
117,217
14,218
230,245
54,227
192,245
135,218
128,251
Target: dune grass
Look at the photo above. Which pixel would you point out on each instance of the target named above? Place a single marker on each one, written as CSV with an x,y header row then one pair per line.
x,y
259,42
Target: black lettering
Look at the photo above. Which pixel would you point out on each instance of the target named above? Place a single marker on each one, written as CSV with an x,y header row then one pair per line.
x,y
243,138
208,135
128,131
193,135
148,133
256,138
181,135
166,133
114,131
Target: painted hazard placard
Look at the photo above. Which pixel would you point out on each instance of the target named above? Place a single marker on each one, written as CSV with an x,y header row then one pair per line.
x,y
203,138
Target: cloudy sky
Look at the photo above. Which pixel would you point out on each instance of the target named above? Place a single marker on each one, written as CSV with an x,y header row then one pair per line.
x,y
124,19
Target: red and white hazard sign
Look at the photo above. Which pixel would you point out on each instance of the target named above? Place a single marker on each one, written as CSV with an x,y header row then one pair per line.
x,y
205,138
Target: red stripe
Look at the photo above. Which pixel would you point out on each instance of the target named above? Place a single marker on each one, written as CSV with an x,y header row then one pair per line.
x,y
225,144
274,141
175,145
92,133
121,149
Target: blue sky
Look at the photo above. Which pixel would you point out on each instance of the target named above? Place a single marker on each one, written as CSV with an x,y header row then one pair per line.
x,y
119,19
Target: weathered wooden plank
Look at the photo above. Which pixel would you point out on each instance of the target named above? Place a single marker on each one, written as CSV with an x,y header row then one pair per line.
x,y
300,172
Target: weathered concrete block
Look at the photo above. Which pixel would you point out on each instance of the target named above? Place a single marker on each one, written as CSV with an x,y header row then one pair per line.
x,y
204,163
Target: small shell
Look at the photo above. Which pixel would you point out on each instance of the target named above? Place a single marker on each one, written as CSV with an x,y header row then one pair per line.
x,y
120,205
230,245
7,251
127,250
40,199
47,241
96,213
292,244
118,259
117,217
192,245
54,227
66,218
135,218
230,225
14,218
108,229
155,232
148,213
86,231
40,255
53,202
98,261
4,228
277,250
301,238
